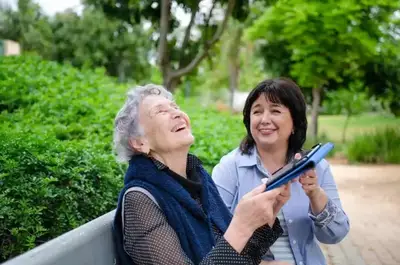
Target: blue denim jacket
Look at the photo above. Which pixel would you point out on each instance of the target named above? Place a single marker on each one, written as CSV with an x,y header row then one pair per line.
x,y
237,174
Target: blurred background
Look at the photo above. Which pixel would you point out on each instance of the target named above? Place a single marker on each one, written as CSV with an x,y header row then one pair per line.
x,y
65,68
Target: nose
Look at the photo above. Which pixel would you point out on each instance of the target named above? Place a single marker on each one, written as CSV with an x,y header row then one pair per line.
x,y
266,118
176,114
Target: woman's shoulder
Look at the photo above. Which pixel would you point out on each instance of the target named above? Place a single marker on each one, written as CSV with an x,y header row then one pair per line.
x,y
322,167
323,164
232,157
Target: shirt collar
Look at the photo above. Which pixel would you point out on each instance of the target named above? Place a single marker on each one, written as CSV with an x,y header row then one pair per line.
x,y
248,160
253,159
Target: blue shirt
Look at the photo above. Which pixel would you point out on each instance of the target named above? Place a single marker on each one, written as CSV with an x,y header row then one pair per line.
x,y
236,174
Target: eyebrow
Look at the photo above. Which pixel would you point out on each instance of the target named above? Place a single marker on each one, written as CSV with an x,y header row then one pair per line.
x,y
158,106
256,106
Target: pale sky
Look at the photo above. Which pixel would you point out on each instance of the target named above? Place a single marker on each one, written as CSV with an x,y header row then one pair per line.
x,y
50,7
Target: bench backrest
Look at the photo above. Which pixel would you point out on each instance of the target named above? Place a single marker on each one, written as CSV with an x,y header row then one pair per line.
x,y
89,244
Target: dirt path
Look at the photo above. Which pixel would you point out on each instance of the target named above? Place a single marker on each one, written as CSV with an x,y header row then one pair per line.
x,y
371,197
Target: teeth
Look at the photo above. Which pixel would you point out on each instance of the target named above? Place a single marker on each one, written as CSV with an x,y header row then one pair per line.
x,y
180,128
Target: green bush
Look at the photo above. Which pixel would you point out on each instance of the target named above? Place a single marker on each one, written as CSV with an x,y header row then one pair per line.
x,y
380,146
40,96
49,187
57,170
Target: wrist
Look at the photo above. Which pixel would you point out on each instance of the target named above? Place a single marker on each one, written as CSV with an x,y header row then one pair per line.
x,y
238,235
315,194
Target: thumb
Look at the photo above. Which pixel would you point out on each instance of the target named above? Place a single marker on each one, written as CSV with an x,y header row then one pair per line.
x,y
258,190
271,194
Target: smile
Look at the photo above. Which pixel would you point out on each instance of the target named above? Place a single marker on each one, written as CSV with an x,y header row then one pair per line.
x,y
267,131
179,127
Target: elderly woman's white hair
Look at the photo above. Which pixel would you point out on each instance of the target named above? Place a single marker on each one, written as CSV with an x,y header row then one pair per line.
x,y
126,124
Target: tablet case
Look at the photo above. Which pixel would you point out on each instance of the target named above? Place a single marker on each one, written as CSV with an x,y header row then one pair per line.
x,y
302,165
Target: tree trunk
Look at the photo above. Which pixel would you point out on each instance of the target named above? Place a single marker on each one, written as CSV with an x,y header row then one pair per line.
x,y
121,72
171,77
163,55
233,81
234,62
346,123
316,92
172,84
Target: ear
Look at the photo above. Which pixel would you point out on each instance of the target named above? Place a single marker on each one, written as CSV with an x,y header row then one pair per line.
x,y
140,145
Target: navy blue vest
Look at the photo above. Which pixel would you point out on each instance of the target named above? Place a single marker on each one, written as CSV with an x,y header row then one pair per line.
x,y
191,223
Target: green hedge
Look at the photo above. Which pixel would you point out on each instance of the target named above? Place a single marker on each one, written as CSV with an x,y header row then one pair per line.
x,y
57,170
380,146
49,187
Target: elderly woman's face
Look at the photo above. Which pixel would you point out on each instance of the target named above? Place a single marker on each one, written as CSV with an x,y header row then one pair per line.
x,y
166,127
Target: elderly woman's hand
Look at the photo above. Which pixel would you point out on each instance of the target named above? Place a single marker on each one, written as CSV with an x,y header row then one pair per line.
x,y
254,210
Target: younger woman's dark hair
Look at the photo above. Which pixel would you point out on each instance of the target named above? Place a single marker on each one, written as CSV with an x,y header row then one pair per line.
x,y
281,91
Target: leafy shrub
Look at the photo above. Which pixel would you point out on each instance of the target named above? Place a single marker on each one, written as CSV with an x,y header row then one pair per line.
x,y
380,146
46,96
49,187
56,166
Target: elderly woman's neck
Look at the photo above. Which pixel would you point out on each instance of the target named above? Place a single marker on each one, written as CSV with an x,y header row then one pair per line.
x,y
176,161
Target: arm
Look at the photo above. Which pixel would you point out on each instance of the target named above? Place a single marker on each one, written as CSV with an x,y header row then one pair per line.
x,y
149,239
330,221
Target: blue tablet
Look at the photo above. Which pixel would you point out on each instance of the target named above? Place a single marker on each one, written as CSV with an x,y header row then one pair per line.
x,y
298,166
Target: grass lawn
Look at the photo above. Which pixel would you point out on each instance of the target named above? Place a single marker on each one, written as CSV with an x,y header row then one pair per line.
x,y
332,125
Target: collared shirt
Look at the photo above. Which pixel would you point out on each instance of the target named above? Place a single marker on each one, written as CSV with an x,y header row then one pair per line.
x,y
236,174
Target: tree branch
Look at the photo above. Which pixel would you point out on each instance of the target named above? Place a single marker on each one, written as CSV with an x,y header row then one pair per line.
x,y
187,35
203,52
208,18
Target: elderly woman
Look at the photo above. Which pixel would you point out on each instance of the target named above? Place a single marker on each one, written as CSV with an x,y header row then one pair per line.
x,y
275,119
169,211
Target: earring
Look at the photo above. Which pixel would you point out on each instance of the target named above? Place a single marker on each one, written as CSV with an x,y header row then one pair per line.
x,y
292,131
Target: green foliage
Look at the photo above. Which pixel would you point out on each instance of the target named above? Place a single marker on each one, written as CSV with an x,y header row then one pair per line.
x,y
87,40
323,38
93,40
49,187
380,146
57,169
350,101
36,96
29,26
